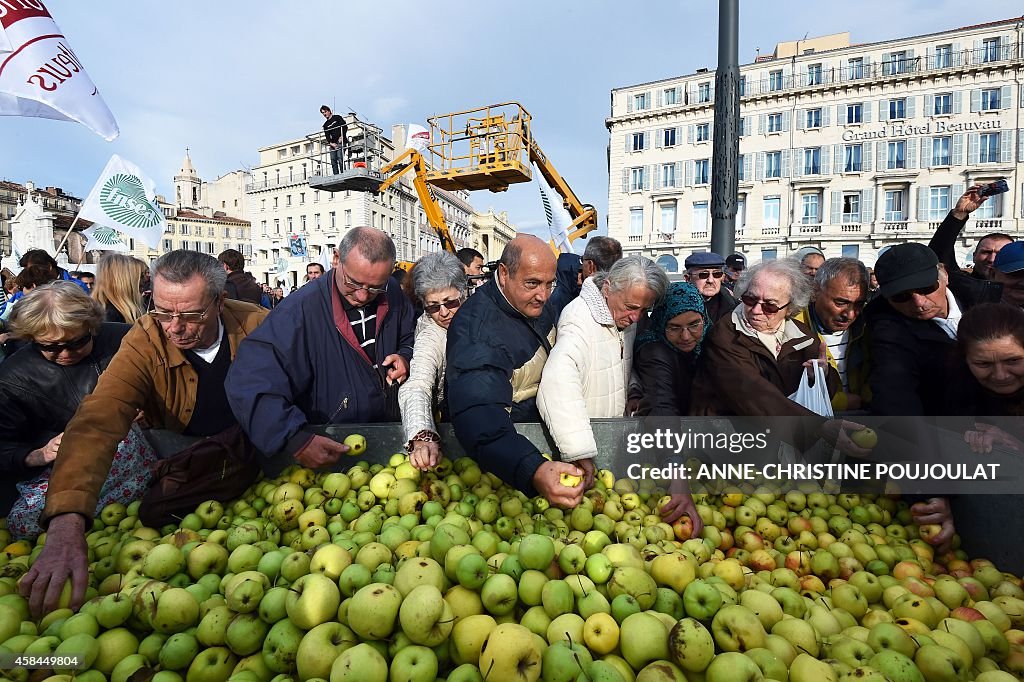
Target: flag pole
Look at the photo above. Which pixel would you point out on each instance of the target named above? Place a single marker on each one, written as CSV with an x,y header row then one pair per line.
x,y
65,240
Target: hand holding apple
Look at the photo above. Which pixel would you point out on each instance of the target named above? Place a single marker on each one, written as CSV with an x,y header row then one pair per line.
x,y
320,451
547,481
64,556
935,511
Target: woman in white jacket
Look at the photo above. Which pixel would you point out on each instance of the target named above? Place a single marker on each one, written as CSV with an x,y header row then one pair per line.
x,y
439,283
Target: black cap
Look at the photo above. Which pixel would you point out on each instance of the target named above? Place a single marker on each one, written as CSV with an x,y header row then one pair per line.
x,y
736,261
906,267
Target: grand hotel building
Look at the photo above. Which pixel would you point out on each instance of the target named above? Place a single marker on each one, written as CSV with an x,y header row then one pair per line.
x,y
846,147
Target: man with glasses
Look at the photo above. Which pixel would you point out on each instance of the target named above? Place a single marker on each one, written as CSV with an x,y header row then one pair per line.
x,y
497,347
706,270
333,352
912,329
171,365
840,294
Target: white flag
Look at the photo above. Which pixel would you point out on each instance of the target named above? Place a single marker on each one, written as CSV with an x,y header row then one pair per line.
x,y
417,138
40,76
558,218
125,199
103,238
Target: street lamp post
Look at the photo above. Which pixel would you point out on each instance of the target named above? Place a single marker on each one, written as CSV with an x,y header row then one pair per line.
x,y
725,155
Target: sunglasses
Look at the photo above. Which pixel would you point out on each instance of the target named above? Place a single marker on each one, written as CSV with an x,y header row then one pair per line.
x,y
704,274
905,296
435,308
75,344
751,301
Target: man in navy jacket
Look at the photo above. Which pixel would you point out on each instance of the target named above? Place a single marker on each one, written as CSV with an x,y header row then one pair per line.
x,y
328,354
497,346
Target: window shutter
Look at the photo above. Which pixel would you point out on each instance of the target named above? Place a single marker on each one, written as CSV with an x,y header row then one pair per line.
x,y
883,110
958,150
659,138
761,123
865,112
625,180
679,134
678,176
910,57
973,143
759,171
911,107
922,203
929,105
955,192
786,115
801,119
656,179
958,102
886,61
629,103
912,153
798,162
826,116
689,173
1004,97
629,142
1020,147
926,152
841,114
647,139
648,172
1006,140
866,157
690,135
679,94
867,205
867,66
748,165
786,160
710,170
743,126
837,208
826,161
977,56
975,100
660,90
838,157
882,151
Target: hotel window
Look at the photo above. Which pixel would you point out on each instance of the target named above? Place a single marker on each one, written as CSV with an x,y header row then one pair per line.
x,y
811,208
263,227
703,132
990,50
943,56
636,179
943,104
897,157
638,142
263,204
990,99
851,251
894,63
812,161
992,208
668,175
739,169
938,202
636,222
771,211
854,113
898,108
704,92
988,152
668,217
700,217
334,222
853,158
940,151
851,207
302,198
277,226
669,96
741,213
814,74
774,123
668,138
642,101
700,171
813,118
769,254
743,86
775,80
894,205
275,202
288,200
773,165
855,66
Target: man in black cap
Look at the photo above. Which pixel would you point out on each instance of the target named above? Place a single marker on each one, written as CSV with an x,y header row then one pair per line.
x,y
734,267
704,270
912,329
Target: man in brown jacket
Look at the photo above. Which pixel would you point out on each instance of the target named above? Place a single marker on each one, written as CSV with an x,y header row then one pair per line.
x,y
171,366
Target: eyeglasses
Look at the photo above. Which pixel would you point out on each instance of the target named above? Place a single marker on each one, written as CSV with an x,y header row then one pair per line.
x,y
435,308
704,274
75,344
905,296
188,318
694,328
752,301
353,287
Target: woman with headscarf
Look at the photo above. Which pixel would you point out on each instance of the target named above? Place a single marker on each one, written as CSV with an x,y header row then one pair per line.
x,y
666,354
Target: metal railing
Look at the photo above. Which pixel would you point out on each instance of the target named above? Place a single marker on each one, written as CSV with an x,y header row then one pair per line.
x,y
895,226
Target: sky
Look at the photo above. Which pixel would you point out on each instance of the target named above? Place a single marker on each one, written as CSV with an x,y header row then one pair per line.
x,y
225,78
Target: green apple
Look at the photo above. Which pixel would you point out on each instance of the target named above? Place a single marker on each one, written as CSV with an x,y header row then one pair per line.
x,y
373,611
114,645
320,646
676,570
635,582
623,606
771,665
468,637
281,646
425,616
557,598
418,571
733,667
806,668
701,600
799,633
313,599
113,611
510,654
163,561
966,632
565,661
737,628
127,666
536,552
178,651
601,633
243,596
213,627
535,619
891,636
356,444
211,665
763,605
414,664
598,567
499,594
472,571
176,610
691,645
566,627
896,666
643,638
939,664
593,602
245,634
850,651
83,645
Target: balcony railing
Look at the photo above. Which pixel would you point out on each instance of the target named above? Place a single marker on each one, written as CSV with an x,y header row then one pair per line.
x,y
895,226
849,228
699,235
635,238
988,224
808,228
771,231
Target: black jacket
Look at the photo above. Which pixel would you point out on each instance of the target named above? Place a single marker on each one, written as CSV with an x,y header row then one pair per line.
x,y
487,341
666,378
242,286
721,305
38,399
943,243
335,129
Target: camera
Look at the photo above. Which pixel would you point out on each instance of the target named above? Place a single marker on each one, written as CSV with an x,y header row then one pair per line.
x,y
489,270
992,188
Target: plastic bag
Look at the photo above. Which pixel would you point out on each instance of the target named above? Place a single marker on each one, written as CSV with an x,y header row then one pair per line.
x,y
814,398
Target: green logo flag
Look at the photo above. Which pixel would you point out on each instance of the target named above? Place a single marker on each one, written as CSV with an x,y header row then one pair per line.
x,y
124,199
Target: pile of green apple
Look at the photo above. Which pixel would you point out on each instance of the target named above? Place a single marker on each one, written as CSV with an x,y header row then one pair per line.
x,y
384,573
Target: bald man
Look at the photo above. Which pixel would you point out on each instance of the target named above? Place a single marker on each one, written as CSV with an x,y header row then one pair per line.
x,y
497,346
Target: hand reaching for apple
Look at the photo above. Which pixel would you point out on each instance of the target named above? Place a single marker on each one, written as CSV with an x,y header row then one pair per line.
x,y
425,455
398,368
850,438
320,452
588,472
985,436
547,481
935,512
680,503
64,556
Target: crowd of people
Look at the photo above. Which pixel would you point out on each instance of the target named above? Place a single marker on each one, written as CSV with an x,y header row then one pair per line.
x,y
192,344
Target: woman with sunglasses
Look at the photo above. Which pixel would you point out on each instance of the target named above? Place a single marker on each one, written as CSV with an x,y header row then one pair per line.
x,y
41,387
666,354
439,284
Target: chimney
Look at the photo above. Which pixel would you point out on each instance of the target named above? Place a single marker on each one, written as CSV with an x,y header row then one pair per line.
x,y
398,133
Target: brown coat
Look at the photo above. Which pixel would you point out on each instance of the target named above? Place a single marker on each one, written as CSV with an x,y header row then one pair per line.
x,y
148,373
739,376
